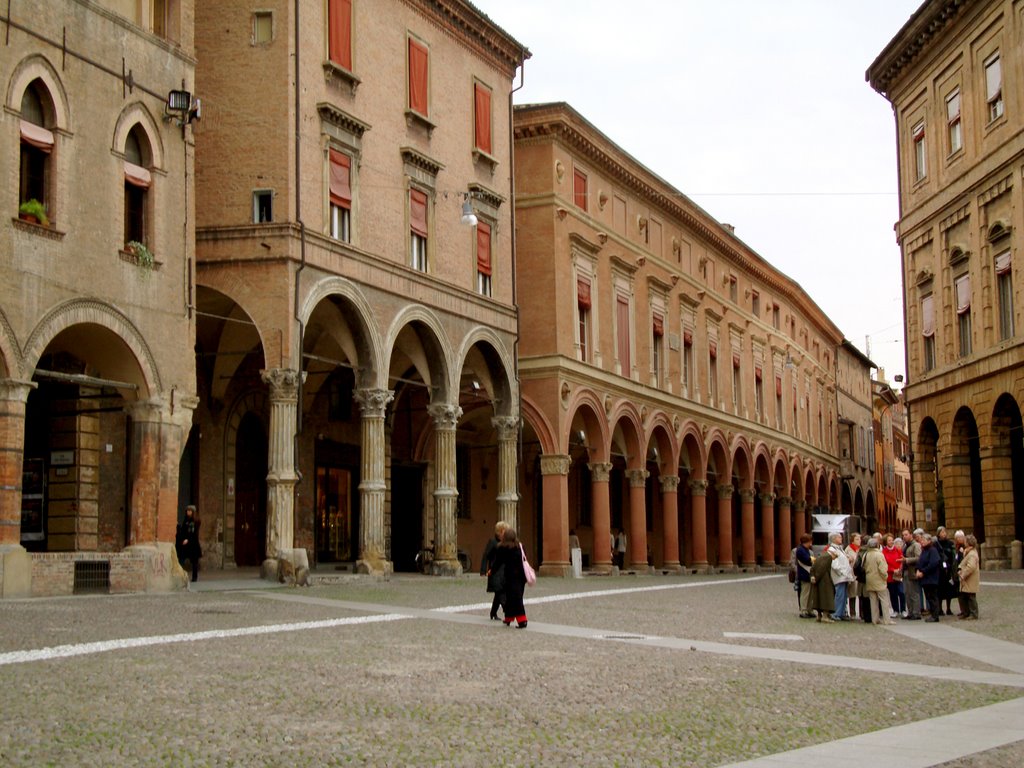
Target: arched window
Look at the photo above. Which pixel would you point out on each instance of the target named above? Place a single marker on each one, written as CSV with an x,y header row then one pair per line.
x,y
137,181
36,145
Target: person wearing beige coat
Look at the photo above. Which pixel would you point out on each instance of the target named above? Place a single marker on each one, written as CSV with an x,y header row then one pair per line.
x,y
970,580
876,575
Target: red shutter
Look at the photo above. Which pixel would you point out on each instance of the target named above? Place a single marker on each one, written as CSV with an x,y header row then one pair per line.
x,y
482,110
418,212
735,361
483,248
713,349
417,78
579,189
688,338
36,136
757,373
341,186
659,325
623,334
339,32
583,292
137,176
778,386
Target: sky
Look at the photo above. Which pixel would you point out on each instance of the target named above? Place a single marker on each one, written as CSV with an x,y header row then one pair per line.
x,y
759,112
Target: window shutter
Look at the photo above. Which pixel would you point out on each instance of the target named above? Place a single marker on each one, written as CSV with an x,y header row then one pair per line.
x,y
757,373
963,294
339,32
418,212
1003,264
341,181
623,333
713,349
483,248
579,189
36,136
735,360
137,176
417,78
778,386
482,110
583,292
659,325
928,316
688,338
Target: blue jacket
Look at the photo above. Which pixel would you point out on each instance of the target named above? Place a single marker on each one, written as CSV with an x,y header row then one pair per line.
x,y
803,555
930,564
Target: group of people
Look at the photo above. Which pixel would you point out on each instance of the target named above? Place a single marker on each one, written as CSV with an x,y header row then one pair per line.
x,y
503,564
888,577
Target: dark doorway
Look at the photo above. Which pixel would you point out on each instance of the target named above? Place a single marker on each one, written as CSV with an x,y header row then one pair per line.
x,y
406,515
250,491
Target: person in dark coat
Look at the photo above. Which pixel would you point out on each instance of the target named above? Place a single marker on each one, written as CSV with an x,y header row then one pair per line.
x,y
509,558
495,577
187,541
803,575
929,572
823,591
949,581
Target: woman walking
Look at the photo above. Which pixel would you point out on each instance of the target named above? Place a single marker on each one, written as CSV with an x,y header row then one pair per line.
x,y
970,579
509,558
495,576
853,590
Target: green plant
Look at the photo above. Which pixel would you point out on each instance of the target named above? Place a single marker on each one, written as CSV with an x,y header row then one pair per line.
x,y
34,208
142,253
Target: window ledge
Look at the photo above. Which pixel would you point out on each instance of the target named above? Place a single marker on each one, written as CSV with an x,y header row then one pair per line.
x,y
132,258
482,158
37,229
337,72
413,118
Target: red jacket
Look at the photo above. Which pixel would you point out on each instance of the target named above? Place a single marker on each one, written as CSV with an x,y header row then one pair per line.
x,y
893,556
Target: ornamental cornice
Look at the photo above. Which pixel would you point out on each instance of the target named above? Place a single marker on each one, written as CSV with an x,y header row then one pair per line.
x,y
996,190
955,217
337,117
417,159
488,196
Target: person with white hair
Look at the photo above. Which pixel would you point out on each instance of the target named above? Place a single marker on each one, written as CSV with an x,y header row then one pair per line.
x,y
911,587
842,575
876,575
959,544
970,579
929,572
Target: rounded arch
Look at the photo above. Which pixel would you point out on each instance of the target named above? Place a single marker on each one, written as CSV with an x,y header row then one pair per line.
x,y
661,433
366,338
585,411
92,312
627,429
743,464
10,353
719,459
223,328
137,114
38,67
417,335
781,474
691,448
538,421
497,364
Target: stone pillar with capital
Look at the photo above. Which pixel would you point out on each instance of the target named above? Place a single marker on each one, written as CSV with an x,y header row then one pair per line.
x,y
372,487
699,524
15,563
785,535
554,469
799,518
748,557
725,561
768,530
507,428
670,522
282,477
637,518
600,515
446,493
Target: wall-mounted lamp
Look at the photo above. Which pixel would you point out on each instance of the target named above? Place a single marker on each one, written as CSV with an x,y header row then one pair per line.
x,y
789,365
182,107
468,216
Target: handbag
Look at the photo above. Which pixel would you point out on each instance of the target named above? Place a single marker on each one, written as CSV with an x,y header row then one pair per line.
x,y
531,575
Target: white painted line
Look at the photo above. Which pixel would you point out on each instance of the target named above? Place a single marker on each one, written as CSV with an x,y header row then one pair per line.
x,y
999,584
758,636
84,649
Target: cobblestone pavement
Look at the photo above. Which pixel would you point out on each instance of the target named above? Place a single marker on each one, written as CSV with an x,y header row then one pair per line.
x,y
612,671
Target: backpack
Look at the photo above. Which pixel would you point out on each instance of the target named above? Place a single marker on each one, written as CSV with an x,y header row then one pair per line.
x,y
858,568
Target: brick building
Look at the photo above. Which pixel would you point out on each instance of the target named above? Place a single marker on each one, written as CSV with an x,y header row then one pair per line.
x,y
355,339
97,385
856,451
955,77
674,384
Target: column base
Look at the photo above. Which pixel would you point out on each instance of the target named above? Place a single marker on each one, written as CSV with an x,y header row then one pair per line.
x,y
750,567
726,568
163,572
15,571
558,569
600,569
375,567
673,567
291,567
700,567
446,568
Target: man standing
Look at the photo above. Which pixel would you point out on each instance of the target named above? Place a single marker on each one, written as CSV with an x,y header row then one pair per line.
x,y
803,575
929,569
911,551
620,549
877,574
842,575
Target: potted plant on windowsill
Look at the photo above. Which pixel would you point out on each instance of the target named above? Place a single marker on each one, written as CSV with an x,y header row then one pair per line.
x,y
33,211
142,254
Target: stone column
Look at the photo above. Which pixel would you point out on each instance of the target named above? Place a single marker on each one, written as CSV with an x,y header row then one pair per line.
x,y
15,563
670,522
997,480
699,517
748,558
284,386
725,561
507,428
637,518
446,492
554,469
768,530
799,518
600,515
372,487
785,539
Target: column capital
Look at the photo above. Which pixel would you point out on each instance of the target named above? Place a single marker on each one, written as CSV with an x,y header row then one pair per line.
x,y
669,483
12,389
725,490
555,464
283,382
507,427
445,415
767,498
176,409
698,487
600,471
372,402
785,501
747,495
799,505
637,477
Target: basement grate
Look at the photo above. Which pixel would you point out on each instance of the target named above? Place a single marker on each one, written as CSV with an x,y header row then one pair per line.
x,y
92,577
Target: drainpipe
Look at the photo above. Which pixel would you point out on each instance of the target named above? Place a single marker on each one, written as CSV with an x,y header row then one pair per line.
x,y
302,259
515,294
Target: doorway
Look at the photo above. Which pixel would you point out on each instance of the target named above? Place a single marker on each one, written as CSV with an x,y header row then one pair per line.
x,y
406,515
250,492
